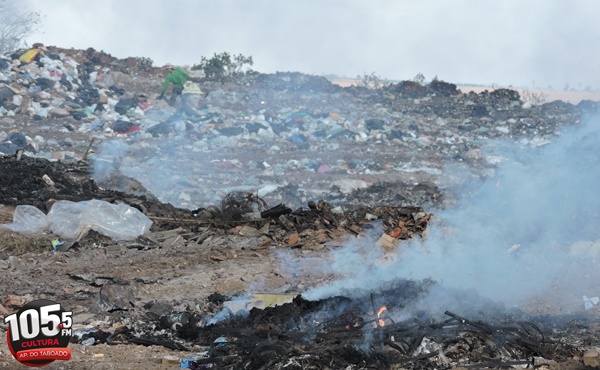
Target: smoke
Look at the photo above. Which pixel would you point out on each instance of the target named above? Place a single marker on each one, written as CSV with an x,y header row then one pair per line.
x,y
236,307
109,158
357,261
509,237
176,170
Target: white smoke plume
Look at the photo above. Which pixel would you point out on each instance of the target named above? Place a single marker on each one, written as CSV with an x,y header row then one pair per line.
x,y
509,237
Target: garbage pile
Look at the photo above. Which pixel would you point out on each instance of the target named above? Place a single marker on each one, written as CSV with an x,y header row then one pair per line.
x,y
297,109
259,132
55,83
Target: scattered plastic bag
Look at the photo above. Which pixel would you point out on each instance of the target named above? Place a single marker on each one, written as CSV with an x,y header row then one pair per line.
x,y
72,220
27,220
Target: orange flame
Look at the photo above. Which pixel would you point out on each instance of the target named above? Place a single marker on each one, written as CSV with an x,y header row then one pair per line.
x,y
379,312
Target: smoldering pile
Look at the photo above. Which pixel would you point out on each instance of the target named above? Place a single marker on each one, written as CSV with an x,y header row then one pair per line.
x,y
386,329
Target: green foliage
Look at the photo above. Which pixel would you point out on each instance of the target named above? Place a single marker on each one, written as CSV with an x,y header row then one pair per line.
x,y
224,65
16,23
145,63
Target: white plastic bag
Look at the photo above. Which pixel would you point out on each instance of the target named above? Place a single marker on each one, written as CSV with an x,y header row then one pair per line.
x,y
72,220
27,220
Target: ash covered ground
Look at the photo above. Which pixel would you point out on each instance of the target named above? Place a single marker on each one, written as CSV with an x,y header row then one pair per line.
x,y
417,197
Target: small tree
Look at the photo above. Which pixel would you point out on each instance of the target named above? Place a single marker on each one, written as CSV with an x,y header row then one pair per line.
x,y
16,23
419,78
223,65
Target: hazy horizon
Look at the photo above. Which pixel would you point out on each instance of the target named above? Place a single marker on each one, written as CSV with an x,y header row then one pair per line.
x,y
540,43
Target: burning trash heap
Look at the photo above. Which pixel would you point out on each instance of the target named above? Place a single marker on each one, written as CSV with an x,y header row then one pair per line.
x,y
411,226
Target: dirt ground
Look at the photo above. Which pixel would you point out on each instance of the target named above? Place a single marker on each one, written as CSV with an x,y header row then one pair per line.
x,y
166,275
183,275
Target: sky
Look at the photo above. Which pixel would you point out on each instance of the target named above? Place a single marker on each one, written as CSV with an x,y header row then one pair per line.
x,y
508,43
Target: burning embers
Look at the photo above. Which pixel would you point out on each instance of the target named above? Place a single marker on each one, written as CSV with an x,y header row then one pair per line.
x,y
380,312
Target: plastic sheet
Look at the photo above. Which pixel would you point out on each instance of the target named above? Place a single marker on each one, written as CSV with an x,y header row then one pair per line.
x,y
27,220
72,220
